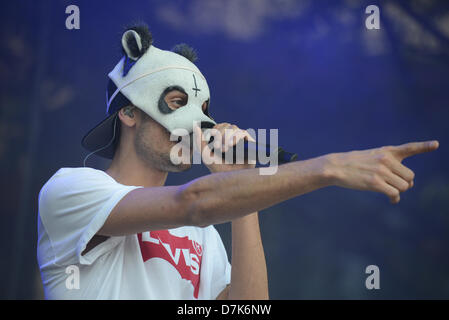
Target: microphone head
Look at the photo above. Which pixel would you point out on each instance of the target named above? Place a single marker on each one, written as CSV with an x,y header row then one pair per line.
x,y
285,157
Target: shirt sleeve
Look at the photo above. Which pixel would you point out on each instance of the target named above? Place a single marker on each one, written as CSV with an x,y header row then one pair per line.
x,y
73,206
217,267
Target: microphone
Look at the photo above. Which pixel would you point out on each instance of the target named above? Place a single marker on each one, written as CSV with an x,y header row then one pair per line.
x,y
252,149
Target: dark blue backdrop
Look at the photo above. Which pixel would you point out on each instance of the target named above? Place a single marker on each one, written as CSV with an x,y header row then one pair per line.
x,y
309,68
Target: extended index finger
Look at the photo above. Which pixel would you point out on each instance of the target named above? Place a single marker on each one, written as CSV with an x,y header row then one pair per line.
x,y
413,148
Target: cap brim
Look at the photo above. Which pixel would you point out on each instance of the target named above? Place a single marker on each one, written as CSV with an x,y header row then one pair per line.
x,y
101,139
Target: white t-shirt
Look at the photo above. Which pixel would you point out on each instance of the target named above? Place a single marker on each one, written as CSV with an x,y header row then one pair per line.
x,y
181,263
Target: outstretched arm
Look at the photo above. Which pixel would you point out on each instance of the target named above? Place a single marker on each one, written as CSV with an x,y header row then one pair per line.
x,y
224,196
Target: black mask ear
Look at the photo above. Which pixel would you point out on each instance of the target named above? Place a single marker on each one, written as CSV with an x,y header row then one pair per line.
x,y
186,51
135,42
132,44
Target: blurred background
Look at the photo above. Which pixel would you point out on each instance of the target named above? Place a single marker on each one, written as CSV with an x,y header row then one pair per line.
x,y
309,68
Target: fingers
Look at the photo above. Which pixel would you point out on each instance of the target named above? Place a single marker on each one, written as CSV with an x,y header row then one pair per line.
x,y
396,177
380,169
391,193
228,136
225,137
398,169
413,148
235,137
391,184
402,171
379,185
396,181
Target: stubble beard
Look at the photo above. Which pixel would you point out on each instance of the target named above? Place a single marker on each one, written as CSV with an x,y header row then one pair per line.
x,y
153,155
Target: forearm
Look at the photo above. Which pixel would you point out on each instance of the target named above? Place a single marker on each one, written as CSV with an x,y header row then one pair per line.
x,y
249,271
225,196
212,199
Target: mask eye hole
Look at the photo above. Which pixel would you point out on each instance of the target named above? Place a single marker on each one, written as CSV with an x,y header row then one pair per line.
x,y
205,107
175,99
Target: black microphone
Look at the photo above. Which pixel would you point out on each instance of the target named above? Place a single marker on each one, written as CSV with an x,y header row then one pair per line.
x,y
252,149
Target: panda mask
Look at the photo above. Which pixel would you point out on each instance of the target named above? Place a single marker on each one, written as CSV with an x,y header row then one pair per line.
x,y
142,78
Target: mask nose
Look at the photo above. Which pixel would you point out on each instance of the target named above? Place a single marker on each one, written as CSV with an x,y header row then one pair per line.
x,y
186,117
207,124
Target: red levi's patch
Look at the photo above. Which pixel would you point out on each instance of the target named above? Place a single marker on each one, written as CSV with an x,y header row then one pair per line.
x,y
181,252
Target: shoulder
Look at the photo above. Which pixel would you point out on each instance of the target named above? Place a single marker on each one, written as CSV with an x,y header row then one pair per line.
x,y
66,183
78,174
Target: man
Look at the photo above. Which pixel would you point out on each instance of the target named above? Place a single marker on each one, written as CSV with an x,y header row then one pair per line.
x,y
131,237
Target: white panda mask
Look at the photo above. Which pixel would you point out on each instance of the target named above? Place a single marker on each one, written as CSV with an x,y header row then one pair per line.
x,y
146,73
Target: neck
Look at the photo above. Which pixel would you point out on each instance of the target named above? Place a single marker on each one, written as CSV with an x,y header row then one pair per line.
x,y
126,168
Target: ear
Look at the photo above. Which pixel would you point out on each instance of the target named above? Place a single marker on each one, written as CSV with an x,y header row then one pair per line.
x,y
132,44
126,115
186,51
135,42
